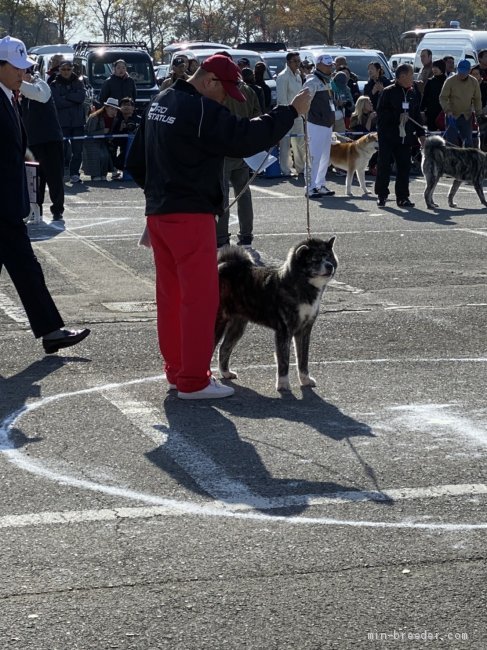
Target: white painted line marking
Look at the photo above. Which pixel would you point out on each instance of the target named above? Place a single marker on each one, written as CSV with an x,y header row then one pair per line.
x,y
341,286
92,224
218,509
12,310
426,416
279,195
476,232
148,512
202,469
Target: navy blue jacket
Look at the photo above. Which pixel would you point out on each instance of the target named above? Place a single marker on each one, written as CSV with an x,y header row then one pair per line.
x,y
69,96
178,151
15,204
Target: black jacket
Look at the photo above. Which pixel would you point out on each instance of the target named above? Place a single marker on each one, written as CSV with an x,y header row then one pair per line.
x,y
430,102
118,88
389,111
41,121
13,183
368,90
178,151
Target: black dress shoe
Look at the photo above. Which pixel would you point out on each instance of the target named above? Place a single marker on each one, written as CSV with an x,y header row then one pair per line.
x,y
381,202
57,216
405,203
66,340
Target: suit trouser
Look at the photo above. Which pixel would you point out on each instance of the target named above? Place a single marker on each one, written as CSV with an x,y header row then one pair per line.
x,y
319,138
73,149
236,172
187,295
50,156
18,257
401,153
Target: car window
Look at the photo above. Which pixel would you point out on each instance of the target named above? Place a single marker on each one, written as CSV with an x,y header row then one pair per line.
x,y
138,67
358,64
276,64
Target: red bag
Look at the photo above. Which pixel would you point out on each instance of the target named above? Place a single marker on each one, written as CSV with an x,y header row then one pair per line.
x,y
440,121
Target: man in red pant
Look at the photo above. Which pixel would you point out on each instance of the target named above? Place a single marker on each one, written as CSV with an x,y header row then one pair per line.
x,y
177,157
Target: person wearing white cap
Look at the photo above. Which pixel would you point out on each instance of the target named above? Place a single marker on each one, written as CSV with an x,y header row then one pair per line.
x,y
16,252
321,118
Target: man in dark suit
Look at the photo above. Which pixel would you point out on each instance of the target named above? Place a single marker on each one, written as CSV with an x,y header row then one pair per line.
x,y
16,252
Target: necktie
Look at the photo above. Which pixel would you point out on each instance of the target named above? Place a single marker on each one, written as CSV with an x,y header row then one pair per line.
x,y
15,106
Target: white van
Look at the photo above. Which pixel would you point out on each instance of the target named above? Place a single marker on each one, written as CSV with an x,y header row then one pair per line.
x,y
398,59
459,43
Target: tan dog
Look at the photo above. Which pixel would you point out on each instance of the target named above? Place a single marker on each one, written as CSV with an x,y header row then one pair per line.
x,y
354,157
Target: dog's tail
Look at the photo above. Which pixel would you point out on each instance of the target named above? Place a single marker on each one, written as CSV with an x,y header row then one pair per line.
x,y
433,144
231,255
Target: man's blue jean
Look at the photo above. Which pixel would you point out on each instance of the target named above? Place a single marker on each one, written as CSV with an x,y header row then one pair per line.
x,y
461,132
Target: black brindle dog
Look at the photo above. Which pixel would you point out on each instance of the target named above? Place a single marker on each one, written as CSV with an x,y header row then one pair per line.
x,y
285,299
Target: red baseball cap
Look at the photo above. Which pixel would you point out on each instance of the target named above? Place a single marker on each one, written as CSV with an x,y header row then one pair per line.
x,y
227,72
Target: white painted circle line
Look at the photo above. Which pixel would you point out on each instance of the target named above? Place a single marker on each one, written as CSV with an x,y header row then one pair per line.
x,y
217,509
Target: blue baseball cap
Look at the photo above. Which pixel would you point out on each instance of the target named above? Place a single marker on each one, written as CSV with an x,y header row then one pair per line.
x,y
463,66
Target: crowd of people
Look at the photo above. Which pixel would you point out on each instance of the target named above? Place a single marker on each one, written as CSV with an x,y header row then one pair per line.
x,y
190,147
446,98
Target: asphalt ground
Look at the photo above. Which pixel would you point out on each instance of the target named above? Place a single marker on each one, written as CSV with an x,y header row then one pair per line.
x,y
352,515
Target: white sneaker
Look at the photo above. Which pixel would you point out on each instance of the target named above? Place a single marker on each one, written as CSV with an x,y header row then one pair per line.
x,y
214,390
116,175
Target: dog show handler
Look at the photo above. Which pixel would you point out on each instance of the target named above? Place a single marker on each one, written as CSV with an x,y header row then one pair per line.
x,y
177,158
397,135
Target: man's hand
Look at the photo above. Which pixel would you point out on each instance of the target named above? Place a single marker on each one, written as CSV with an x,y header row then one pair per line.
x,y
302,101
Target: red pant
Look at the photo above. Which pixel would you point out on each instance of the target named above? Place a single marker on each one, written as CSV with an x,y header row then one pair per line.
x,y
187,295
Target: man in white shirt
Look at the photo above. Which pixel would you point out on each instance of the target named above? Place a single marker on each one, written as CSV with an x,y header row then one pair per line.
x,y
288,84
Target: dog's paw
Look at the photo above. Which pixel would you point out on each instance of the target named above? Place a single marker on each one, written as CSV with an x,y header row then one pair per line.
x,y
306,380
228,374
283,384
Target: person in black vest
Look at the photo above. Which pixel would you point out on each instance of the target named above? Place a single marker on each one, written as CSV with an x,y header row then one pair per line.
x,y
397,134
45,140
16,252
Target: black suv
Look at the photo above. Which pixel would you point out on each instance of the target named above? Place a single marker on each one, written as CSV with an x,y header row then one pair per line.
x,y
94,62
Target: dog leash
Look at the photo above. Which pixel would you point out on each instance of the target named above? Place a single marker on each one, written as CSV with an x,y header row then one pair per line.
x,y
307,173
251,179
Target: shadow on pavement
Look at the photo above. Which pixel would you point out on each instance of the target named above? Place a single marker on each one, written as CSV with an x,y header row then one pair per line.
x,y
235,457
14,393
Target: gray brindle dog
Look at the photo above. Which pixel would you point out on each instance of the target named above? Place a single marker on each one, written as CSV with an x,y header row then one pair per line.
x,y
440,159
285,299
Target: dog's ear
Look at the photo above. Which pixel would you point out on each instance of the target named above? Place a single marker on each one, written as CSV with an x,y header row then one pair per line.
x,y
301,249
331,241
